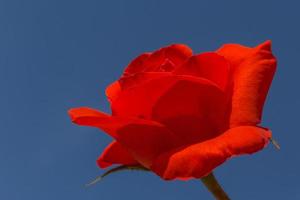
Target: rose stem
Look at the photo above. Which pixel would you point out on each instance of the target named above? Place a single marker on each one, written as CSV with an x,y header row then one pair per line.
x,y
214,187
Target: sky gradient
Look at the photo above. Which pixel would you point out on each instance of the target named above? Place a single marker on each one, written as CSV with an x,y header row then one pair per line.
x,y
59,54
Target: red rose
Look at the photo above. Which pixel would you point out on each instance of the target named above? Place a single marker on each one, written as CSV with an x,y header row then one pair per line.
x,y
182,115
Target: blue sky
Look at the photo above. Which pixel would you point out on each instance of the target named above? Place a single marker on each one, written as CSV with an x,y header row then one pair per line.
x,y
58,54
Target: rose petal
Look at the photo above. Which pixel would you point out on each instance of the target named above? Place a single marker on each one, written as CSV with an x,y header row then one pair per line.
x,y
137,101
234,53
167,66
115,153
193,108
198,160
144,139
176,53
113,90
253,74
207,65
164,59
126,82
138,64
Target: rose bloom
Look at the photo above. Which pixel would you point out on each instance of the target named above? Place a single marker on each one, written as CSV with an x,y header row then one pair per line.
x,y
181,115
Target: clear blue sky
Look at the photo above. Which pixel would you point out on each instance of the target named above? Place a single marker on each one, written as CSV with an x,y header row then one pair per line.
x,y
58,54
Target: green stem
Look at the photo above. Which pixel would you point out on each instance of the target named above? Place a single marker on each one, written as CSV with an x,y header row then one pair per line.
x,y
214,187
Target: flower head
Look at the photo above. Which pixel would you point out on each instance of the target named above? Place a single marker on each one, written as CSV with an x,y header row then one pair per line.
x,y
181,115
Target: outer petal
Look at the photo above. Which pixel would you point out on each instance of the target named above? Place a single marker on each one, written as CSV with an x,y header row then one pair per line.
x,y
115,153
253,74
207,65
113,90
198,160
234,53
144,139
191,107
